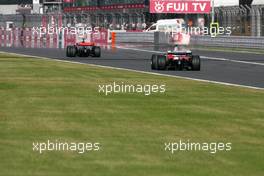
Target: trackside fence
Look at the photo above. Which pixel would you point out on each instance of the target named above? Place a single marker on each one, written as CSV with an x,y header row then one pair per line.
x,y
29,38
159,38
229,41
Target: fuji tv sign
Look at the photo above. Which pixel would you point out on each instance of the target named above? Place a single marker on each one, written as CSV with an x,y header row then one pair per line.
x,y
180,6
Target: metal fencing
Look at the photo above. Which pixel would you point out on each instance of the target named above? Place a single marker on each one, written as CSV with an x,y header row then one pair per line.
x,y
244,20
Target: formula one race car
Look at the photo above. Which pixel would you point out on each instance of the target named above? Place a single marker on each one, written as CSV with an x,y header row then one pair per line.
x,y
83,49
177,60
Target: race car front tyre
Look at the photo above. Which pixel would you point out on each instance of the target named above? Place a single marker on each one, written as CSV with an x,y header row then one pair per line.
x,y
154,62
196,63
96,50
71,51
161,62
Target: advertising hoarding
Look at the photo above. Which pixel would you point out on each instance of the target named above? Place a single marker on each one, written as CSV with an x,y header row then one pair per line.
x,y
180,6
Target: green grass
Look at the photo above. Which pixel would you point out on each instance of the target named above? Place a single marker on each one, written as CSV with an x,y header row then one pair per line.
x,y
41,100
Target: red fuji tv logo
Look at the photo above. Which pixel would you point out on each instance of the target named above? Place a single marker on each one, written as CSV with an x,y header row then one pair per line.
x,y
180,6
159,6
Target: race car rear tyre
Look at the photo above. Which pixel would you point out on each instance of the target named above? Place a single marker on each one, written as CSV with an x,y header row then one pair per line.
x,y
154,62
68,54
161,62
71,51
196,63
96,50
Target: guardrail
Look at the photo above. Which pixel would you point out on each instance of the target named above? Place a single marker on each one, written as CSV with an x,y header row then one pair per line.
x,y
159,38
229,41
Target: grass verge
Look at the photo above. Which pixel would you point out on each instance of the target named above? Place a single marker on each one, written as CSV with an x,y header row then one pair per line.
x,y
44,100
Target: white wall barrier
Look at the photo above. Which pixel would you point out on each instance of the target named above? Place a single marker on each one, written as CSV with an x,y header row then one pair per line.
x,y
229,41
159,38
152,37
134,37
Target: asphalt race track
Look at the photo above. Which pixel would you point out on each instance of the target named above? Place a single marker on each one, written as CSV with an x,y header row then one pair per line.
x,y
236,68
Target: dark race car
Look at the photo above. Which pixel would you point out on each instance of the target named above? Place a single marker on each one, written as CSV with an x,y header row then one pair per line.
x,y
83,49
176,60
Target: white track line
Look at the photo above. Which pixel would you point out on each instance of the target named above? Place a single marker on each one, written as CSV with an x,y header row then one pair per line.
x,y
137,71
204,57
231,60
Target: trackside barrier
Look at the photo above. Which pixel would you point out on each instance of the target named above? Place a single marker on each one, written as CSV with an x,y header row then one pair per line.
x,y
69,38
51,41
35,40
134,37
16,37
158,38
7,38
48,41
1,36
16,33
152,37
100,37
229,41
27,38
30,38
